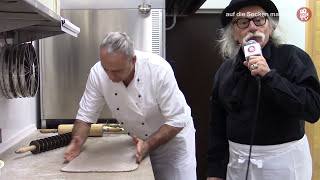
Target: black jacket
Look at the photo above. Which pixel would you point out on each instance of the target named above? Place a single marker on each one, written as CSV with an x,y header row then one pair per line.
x,y
290,95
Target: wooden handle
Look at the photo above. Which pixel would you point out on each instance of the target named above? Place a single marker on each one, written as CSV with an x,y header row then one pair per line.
x,y
25,149
48,130
112,129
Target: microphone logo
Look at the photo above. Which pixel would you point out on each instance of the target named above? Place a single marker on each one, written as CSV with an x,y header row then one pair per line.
x,y
251,49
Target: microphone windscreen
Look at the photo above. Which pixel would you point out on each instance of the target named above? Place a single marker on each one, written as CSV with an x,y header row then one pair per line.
x,y
250,42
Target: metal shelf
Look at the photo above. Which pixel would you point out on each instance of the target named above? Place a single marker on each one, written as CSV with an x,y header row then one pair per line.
x,y
28,20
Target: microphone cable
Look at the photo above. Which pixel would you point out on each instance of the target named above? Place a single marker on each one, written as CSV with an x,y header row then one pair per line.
x,y
253,129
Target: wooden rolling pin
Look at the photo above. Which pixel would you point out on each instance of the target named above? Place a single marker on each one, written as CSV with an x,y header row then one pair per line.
x,y
95,130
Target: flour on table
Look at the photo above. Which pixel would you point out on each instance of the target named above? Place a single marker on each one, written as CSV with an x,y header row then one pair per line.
x,y
105,154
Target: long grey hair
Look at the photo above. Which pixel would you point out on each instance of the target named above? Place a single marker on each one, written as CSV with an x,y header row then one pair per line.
x,y
229,47
118,42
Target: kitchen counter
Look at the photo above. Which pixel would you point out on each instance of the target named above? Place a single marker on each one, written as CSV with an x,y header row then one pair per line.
x,y
47,165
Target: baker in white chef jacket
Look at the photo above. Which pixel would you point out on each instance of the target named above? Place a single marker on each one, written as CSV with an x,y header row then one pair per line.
x,y
141,91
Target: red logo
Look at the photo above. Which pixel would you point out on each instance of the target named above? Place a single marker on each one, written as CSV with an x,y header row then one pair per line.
x,y
304,14
251,49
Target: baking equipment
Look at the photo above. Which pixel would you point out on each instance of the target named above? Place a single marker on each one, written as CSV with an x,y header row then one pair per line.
x,y
95,129
46,144
25,21
19,71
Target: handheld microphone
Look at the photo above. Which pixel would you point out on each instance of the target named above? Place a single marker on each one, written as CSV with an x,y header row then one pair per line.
x,y
252,48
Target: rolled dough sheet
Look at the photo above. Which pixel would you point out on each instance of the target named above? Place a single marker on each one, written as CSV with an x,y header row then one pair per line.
x,y
113,153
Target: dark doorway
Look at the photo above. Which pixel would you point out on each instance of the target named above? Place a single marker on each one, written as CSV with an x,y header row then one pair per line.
x,y
192,52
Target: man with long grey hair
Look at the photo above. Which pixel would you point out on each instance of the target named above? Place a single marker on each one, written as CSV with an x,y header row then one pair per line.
x,y
142,93
259,104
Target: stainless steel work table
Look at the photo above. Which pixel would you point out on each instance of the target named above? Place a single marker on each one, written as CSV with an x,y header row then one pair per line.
x,y
47,165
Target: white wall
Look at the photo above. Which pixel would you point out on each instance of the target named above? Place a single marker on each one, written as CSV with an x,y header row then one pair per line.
x,y
17,119
293,30
215,4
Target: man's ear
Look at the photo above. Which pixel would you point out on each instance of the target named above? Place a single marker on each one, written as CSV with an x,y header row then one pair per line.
x,y
134,59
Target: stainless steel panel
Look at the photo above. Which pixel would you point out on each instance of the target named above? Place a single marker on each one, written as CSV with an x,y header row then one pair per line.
x,y
66,61
107,4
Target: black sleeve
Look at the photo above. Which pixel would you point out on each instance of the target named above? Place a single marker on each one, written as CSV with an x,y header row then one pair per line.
x,y
296,90
218,140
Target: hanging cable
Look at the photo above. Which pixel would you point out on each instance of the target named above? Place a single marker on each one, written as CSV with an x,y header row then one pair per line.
x,y
173,23
253,129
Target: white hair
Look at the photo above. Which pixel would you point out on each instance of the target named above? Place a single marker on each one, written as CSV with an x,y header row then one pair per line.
x,y
229,46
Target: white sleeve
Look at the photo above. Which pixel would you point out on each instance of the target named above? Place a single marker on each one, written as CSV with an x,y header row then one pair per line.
x,y
92,100
172,102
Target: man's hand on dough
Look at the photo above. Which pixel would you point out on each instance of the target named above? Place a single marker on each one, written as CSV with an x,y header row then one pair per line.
x,y
142,149
73,149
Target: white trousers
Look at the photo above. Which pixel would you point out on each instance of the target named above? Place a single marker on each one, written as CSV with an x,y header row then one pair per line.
x,y
176,160
288,161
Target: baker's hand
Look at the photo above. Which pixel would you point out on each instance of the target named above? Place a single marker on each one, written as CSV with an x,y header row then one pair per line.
x,y
214,178
257,65
73,149
142,149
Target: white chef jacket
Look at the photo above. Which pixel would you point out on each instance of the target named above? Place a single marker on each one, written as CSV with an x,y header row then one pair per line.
x,y
151,100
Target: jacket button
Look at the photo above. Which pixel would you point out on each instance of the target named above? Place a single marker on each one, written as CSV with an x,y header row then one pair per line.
x,y
146,134
115,93
121,122
139,95
128,133
142,123
138,79
117,109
